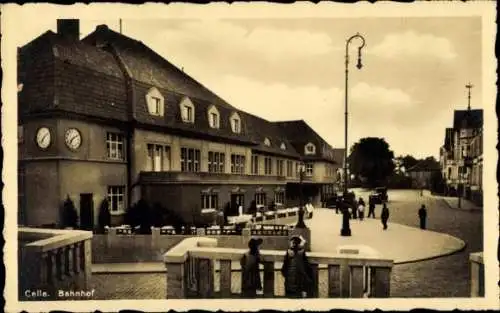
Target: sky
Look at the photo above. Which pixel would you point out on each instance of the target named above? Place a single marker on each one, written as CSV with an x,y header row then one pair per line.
x,y
414,70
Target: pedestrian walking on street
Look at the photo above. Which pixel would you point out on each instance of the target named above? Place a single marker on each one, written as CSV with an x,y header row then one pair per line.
x,y
361,208
354,208
296,270
385,215
250,272
371,208
422,214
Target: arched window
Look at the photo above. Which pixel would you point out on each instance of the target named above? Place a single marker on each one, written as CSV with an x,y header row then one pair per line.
x,y
267,142
310,148
187,110
213,117
235,123
155,102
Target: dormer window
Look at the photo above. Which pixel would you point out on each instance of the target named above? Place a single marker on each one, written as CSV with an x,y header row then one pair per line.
x,y
235,123
267,142
155,102
213,117
187,110
310,148
283,146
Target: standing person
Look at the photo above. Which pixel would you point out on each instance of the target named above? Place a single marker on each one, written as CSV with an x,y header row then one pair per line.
x,y
385,215
422,214
296,270
354,208
361,208
371,207
250,272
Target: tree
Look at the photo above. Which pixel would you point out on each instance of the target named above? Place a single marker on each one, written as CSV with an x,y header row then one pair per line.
x,y
409,161
70,216
371,159
104,215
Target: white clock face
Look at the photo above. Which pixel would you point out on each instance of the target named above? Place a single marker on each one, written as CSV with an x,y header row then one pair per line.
x,y
43,137
73,138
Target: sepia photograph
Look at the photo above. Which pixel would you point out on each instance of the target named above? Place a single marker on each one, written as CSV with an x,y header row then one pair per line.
x,y
265,152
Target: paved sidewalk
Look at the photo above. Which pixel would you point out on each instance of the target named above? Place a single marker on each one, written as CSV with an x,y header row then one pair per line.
x,y
452,202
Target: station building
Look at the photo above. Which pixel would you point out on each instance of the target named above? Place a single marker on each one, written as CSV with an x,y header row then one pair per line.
x,y
107,117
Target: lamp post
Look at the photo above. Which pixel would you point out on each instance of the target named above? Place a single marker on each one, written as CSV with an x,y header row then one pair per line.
x,y
359,65
300,221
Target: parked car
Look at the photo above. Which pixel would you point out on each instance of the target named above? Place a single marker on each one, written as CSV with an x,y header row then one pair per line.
x,y
379,195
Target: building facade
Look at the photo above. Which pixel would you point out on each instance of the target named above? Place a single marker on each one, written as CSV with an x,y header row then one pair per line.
x,y
105,117
461,155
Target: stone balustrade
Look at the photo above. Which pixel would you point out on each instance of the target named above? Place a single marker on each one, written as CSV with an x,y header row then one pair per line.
x,y
51,260
280,213
352,272
476,274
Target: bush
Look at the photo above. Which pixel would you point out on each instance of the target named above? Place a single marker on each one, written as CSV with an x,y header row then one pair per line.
x,y
139,214
104,215
397,181
438,184
70,216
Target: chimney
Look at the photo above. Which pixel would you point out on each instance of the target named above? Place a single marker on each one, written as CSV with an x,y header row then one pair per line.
x,y
69,28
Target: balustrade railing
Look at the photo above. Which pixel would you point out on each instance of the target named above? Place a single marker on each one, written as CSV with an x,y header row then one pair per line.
x,y
476,274
52,260
191,271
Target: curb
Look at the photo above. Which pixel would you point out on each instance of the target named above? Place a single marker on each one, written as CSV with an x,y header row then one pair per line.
x,y
478,210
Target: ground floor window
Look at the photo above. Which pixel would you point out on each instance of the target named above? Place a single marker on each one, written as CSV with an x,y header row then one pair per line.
x,y
260,198
116,198
209,201
279,197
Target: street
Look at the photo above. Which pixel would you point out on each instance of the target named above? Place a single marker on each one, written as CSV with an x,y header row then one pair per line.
x,y
440,277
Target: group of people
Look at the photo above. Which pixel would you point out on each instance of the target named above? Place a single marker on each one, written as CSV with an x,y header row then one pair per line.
x,y
357,210
296,270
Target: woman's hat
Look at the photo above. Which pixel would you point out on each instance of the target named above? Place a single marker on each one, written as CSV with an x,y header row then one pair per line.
x,y
298,239
254,242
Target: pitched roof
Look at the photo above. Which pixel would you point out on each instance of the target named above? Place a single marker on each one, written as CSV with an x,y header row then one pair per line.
x,y
424,166
468,119
300,133
448,139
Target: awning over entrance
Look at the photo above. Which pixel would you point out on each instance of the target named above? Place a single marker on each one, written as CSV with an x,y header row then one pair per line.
x,y
210,190
237,190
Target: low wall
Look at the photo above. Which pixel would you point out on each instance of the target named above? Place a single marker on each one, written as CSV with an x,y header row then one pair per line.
x,y
113,248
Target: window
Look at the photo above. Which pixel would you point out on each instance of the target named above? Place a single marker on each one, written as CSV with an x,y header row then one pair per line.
x,y
279,197
255,164
155,102
216,162
213,117
309,169
235,123
289,168
267,142
158,158
310,149
116,196
210,201
187,110
268,166
114,144
190,160
237,164
283,146
260,198
279,165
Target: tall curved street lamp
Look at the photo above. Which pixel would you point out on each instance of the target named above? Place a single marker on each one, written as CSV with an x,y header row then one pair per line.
x,y
359,66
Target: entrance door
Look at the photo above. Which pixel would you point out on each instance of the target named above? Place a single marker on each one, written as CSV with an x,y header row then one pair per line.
x,y
237,199
86,211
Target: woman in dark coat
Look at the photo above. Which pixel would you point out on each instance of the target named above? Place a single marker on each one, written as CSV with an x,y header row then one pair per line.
x,y
385,215
297,271
422,214
250,272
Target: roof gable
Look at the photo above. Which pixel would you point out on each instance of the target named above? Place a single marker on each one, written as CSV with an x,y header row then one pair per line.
x,y
468,119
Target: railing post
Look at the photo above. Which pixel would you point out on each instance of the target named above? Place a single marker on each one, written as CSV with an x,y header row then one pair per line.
x,y
315,273
344,280
476,275
268,279
87,248
176,281
205,278
225,278
333,281
356,282
381,282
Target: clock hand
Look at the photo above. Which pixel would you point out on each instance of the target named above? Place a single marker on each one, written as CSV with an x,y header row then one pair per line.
x,y
44,136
